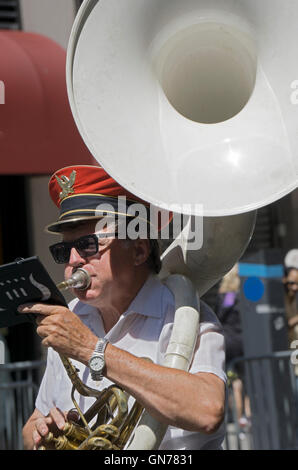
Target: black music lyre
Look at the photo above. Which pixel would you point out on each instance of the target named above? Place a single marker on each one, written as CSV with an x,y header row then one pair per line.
x,y
25,281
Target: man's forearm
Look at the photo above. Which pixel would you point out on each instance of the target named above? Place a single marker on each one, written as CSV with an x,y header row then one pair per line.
x,y
192,402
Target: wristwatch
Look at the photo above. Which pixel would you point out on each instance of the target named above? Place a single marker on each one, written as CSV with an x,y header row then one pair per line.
x,y
97,360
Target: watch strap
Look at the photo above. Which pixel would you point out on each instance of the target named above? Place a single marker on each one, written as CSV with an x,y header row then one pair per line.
x,y
101,346
98,351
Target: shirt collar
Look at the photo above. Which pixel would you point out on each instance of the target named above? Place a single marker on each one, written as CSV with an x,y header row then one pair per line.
x,y
148,301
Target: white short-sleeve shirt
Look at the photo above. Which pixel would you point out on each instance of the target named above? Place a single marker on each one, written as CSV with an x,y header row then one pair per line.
x,y
143,330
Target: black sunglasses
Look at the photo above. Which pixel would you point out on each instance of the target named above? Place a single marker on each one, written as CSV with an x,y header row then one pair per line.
x,y
86,246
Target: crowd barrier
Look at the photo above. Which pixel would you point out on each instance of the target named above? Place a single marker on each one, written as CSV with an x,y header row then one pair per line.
x,y
271,387
19,383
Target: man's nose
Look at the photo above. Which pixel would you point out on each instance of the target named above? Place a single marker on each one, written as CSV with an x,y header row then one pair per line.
x,y
75,258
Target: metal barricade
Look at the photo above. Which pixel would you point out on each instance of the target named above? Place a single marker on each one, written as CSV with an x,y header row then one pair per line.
x,y
272,390
19,383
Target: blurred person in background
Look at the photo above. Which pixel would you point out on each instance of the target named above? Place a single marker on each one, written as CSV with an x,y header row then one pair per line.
x,y
290,281
227,311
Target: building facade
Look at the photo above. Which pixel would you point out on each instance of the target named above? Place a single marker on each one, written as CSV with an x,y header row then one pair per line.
x,y
24,216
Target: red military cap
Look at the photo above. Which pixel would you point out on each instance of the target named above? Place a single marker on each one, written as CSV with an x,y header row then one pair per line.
x,y
87,192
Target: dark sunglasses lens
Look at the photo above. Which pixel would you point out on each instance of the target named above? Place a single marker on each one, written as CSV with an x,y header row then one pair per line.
x,y
87,246
60,253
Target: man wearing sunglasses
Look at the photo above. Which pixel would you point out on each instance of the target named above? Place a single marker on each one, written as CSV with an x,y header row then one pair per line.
x,y
124,315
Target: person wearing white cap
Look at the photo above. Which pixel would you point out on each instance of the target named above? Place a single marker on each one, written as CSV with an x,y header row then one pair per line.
x,y
291,259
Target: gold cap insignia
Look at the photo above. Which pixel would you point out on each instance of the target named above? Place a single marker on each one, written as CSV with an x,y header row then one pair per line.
x,y
66,184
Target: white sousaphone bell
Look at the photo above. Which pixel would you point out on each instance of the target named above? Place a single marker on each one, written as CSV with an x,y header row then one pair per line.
x,y
189,102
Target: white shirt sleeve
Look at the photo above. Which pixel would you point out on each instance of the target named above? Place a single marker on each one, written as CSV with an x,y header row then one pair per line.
x,y
45,398
209,354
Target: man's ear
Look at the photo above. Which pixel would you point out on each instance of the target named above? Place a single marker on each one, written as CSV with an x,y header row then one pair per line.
x,y
141,251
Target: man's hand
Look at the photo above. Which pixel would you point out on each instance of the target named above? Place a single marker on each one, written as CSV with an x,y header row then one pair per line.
x,y
62,330
39,426
54,422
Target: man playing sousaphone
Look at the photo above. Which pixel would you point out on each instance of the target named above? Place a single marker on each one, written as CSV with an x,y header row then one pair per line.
x,y
126,314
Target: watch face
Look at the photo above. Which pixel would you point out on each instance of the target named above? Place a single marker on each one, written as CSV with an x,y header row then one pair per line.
x,y
97,363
